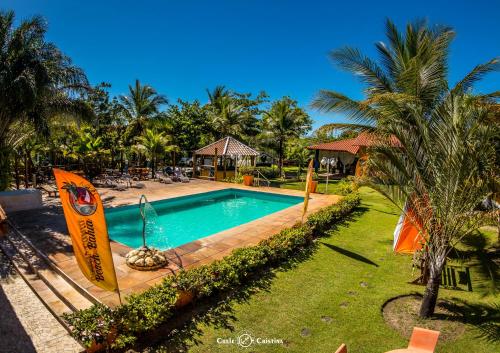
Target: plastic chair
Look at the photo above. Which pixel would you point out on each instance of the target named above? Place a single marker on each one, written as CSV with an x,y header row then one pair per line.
x,y
342,349
423,340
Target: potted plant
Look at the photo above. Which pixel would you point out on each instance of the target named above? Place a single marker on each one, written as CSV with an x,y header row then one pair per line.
x,y
247,175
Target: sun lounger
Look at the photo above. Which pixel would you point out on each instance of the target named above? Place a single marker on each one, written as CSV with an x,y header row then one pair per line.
x,y
423,340
179,176
50,190
3,215
165,180
121,187
140,185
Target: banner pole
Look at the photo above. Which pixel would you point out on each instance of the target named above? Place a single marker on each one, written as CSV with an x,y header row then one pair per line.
x,y
119,295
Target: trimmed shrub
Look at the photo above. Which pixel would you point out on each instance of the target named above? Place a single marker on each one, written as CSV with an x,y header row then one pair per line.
x,y
92,325
148,310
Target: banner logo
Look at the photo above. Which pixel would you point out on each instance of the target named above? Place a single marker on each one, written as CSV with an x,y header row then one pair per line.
x,y
81,199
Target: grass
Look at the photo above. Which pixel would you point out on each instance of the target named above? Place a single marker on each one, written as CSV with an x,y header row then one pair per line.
x,y
300,185
328,284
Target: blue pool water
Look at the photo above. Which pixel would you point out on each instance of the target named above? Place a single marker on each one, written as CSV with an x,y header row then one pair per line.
x,y
184,219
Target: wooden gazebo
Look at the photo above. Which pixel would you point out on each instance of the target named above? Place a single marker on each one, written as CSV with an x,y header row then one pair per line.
x,y
221,153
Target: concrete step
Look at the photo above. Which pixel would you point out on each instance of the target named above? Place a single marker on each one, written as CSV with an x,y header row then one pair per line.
x,y
36,256
70,296
51,301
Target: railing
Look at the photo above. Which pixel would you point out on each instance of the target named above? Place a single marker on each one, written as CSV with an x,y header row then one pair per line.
x,y
142,204
261,176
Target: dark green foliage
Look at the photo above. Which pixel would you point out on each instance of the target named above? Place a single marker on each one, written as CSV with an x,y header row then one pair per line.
x,y
91,325
148,310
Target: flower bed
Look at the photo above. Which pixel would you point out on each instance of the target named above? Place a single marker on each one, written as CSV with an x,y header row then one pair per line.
x,y
148,310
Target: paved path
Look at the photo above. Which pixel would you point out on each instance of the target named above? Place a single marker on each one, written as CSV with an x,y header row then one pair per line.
x,y
26,325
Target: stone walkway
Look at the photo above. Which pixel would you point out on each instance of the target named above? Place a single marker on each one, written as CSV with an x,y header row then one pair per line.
x,y
26,325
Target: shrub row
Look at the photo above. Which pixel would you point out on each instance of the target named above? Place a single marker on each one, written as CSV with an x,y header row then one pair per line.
x,y
150,309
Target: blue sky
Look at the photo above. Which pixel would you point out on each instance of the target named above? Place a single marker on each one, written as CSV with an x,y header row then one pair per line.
x,y
280,46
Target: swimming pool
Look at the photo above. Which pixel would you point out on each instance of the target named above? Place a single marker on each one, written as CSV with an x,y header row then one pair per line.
x,y
184,219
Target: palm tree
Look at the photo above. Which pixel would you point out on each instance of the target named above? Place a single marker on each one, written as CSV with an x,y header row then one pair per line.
x,y
297,150
446,158
284,120
139,106
37,83
154,143
228,115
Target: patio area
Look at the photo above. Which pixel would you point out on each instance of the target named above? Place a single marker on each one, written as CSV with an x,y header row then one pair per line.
x,y
46,230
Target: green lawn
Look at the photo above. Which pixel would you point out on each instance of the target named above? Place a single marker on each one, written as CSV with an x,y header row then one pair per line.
x,y
300,185
292,302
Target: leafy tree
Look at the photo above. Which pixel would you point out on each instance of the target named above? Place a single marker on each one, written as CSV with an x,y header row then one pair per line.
x,y
187,124
446,159
297,151
154,143
283,121
140,106
37,82
233,114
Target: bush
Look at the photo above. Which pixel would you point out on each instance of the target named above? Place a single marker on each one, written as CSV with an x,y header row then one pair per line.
x,y
269,172
153,307
91,325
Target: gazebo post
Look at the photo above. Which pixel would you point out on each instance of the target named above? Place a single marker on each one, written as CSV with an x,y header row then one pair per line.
x,y
215,165
235,167
224,163
194,165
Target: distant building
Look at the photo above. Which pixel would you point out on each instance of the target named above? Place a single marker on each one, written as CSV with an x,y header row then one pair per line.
x,y
351,154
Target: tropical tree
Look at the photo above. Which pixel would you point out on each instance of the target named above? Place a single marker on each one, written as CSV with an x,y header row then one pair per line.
x,y
154,143
444,159
187,124
140,106
297,151
283,121
233,114
37,82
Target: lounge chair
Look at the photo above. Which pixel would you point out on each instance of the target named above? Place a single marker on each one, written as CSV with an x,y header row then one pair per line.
x,y
423,340
180,176
3,215
140,185
50,190
342,349
165,180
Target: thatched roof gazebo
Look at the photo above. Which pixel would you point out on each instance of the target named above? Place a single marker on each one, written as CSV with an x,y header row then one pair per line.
x,y
227,148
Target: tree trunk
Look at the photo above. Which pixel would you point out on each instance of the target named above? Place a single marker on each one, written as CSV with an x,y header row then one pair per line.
x,y
280,158
153,166
16,171
431,291
26,170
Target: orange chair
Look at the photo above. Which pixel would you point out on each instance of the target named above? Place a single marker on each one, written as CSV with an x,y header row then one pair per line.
x,y
423,340
342,349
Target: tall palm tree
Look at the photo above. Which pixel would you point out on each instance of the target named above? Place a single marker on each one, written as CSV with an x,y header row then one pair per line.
x,y
446,158
154,143
37,83
228,116
284,120
139,106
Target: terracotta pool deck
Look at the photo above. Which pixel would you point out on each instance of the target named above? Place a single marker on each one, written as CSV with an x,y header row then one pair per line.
x,y
46,229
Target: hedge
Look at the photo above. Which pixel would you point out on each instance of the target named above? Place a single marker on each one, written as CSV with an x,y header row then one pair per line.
x,y
148,310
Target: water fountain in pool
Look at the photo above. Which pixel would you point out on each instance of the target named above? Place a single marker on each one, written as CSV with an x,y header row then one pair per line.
x,y
148,258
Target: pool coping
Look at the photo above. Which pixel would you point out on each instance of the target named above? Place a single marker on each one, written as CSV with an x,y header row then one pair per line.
x,y
196,253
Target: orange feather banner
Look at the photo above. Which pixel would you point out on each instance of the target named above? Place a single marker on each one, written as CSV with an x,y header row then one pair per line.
x,y
308,187
84,215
